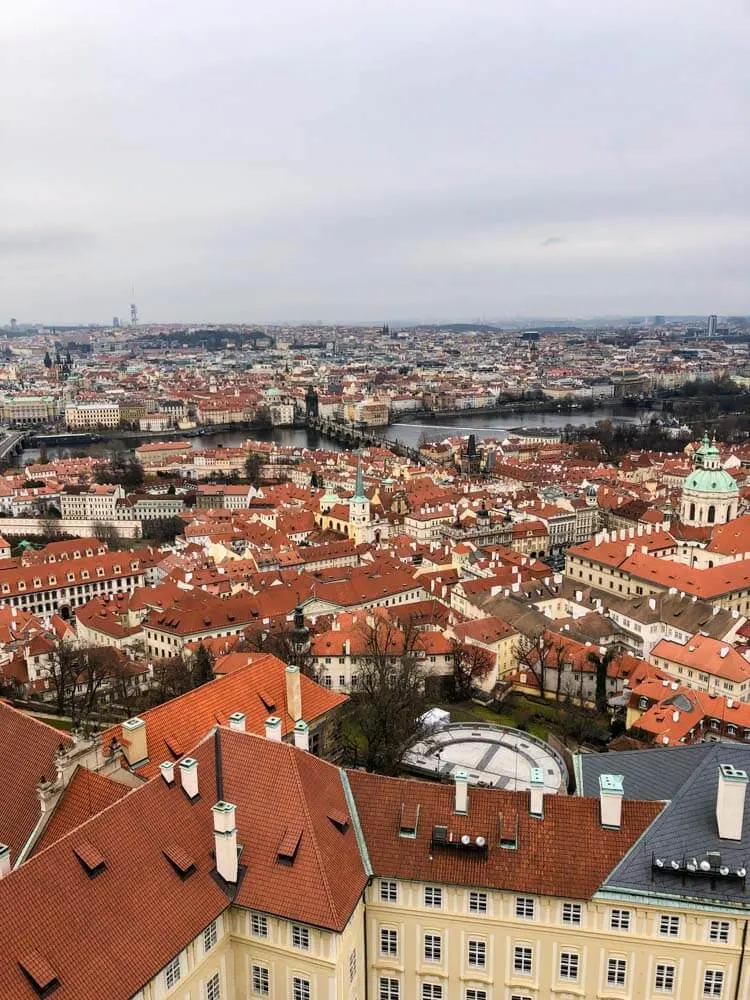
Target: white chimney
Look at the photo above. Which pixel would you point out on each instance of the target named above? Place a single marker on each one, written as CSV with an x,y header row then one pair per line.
x,y
167,771
293,692
237,722
461,803
134,743
273,729
536,792
225,840
302,736
189,776
610,800
652,603
4,860
730,801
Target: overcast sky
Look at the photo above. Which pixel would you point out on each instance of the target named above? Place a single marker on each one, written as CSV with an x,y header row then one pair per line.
x,y
345,160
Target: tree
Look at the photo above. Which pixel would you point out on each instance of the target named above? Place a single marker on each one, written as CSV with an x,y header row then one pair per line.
x,y
172,678
386,706
470,665
283,644
602,662
540,655
76,674
202,666
47,360
253,469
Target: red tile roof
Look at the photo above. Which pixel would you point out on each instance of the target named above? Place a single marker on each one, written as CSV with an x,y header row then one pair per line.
x,y
184,721
86,794
28,753
547,859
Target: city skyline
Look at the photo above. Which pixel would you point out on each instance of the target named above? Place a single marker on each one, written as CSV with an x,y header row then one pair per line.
x,y
343,163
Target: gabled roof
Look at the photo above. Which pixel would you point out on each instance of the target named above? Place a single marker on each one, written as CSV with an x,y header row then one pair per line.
x,y
28,753
85,795
258,690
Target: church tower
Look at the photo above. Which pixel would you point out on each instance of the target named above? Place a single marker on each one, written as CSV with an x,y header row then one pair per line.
x,y
359,504
709,494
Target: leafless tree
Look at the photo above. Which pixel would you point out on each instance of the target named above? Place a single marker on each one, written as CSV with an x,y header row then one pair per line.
x,y
388,700
540,655
471,664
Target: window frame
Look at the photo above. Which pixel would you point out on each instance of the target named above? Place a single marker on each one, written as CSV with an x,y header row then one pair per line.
x,y
718,931
670,920
622,921
716,988
479,901
300,934
388,890
433,943
620,969
212,989
572,961
522,905
172,966
210,936
574,909
390,934
259,925
667,971
479,945
436,893
301,988
522,953
260,974
387,992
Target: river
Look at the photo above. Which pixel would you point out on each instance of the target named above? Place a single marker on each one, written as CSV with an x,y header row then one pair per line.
x,y
406,432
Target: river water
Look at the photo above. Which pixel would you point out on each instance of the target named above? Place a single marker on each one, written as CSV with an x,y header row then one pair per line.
x,y
406,432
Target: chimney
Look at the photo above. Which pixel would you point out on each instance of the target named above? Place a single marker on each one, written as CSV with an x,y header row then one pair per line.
x,y
237,722
610,800
167,771
302,735
134,744
536,792
189,776
293,692
461,802
48,792
730,801
4,860
225,840
652,603
273,729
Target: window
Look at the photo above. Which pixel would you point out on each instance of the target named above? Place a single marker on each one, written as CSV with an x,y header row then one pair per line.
x,y
388,941
388,891
718,930
477,902
475,995
258,925
300,937
433,896
477,954
300,988
522,959
617,969
571,913
430,991
669,926
568,965
619,920
213,987
352,965
260,981
209,936
713,982
518,996
664,978
172,973
525,907
389,989
433,946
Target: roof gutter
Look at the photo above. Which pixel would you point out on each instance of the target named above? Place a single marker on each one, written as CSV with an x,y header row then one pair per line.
x,y
348,795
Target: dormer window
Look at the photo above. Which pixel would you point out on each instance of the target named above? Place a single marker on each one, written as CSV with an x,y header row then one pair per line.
x,y
37,582
99,571
52,580
71,578
84,574
21,585
116,567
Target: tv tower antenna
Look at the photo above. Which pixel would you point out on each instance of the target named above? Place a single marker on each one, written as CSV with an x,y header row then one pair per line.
x,y
133,307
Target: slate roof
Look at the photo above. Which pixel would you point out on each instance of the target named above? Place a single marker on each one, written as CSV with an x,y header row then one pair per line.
x,y
28,753
652,773
687,829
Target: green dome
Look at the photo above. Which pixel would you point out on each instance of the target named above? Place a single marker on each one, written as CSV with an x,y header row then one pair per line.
x,y
710,481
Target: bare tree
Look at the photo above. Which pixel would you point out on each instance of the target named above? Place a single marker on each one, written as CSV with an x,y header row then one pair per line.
x,y
283,644
471,664
388,701
539,656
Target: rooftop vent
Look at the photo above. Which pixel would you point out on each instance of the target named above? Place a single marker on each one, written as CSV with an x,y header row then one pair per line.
x,y
180,860
339,819
287,849
39,973
408,820
90,857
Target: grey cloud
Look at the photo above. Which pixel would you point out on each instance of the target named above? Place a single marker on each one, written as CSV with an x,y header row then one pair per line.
x,y
345,161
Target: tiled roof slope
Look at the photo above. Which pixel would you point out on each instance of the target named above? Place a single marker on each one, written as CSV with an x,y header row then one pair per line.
x,y
279,789
86,794
548,858
68,917
28,753
258,690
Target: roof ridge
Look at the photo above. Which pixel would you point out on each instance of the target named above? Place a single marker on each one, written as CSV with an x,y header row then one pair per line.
x,y
321,866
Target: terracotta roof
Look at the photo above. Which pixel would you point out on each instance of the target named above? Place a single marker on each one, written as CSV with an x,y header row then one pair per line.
x,y
547,859
28,753
258,690
85,795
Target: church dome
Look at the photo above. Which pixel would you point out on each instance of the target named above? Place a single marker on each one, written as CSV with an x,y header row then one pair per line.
x,y
710,481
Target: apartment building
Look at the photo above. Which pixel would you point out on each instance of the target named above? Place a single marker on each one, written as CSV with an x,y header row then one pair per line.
x,y
90,416
705,664
286,877
198,616
97,503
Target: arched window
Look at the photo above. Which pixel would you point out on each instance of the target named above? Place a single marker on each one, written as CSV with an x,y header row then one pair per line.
x,y
692,511
711,514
